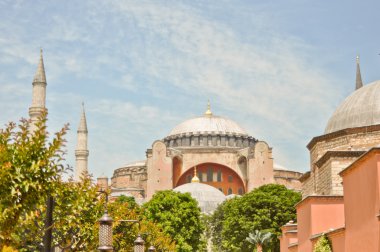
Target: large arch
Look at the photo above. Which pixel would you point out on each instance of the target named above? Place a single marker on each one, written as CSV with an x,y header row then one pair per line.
x,y
219,176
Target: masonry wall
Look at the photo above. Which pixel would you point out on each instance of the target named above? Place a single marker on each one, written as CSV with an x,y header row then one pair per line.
x,y
362,208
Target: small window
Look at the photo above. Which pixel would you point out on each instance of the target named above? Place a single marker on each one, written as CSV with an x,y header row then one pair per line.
x,y
188,178
230,178
200,176
219,177
240,191
209,174
229,191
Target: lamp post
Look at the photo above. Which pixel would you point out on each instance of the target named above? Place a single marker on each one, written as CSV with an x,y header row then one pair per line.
x,y
139,244
105,229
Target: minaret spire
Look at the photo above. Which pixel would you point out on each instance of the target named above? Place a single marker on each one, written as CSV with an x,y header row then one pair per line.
x,y
81,152
39,93
359,82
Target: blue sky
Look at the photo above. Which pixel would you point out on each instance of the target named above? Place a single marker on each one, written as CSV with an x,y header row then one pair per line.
x,y
278,68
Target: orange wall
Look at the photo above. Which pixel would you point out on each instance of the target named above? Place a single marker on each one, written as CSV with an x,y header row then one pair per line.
x,y
318,214
361,198
224,184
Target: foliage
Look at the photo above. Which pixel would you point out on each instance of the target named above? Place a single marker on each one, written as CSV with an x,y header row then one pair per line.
x,y
323,244
125,232
259,239
178,215
266,208
30,167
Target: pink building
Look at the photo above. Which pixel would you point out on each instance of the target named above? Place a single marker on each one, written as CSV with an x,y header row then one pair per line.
x,y
352,221
341,192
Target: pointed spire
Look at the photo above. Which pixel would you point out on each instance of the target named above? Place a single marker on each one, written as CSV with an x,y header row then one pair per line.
x,y
40,73
208,111
359,82
83,123
195,178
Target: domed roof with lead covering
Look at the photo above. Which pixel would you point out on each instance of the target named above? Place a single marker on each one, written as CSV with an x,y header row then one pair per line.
x,y
208,197
361,108
208,124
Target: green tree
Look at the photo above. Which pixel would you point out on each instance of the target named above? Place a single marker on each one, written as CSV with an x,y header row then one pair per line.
x,y
124,232
266,208
30,168
179,216
259,239
323,244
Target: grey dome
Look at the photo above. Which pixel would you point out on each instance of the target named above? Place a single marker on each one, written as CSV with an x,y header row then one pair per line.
x,y
361,108
208,197
208,124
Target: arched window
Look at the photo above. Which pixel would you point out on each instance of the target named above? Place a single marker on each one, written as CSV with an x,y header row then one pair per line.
x,y
240,191
209,174
200,176
230,178
219,177
229,191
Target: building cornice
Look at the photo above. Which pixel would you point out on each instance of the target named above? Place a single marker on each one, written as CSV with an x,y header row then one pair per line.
x,y
364,156
342,132
320,197
337,154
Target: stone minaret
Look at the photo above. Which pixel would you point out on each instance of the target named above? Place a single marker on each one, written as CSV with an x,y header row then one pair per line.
x,y
39,94
359,82
81,152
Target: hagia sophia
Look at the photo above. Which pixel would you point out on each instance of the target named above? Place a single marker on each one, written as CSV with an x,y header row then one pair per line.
x,y
214,158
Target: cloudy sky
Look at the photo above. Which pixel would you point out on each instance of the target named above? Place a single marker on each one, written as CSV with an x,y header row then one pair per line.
x,y
278,68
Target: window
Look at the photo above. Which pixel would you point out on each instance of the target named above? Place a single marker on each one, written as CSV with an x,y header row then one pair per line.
x,y
230,178
229,191
219,178
209,174
240,191
188,178
200,176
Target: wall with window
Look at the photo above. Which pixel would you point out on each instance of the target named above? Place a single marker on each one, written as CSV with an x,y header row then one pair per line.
x,y
216,175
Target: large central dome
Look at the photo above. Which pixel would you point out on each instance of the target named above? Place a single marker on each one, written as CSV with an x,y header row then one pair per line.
x,y
208,124
361,108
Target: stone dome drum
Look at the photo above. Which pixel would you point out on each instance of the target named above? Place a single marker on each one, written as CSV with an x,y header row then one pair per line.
x,y
361,108
208,197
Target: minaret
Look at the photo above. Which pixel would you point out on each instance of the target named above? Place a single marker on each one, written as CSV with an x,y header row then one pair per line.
x,y
81,152
39,94
359,82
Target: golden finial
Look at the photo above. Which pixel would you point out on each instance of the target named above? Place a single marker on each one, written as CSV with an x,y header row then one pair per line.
x,y
195,178
208,111
357,58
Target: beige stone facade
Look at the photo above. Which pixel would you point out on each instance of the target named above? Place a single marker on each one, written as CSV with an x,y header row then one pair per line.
x,y
233,162
331,153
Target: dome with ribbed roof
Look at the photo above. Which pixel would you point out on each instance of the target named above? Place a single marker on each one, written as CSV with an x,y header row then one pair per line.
x,y
208,197
208,124
361,108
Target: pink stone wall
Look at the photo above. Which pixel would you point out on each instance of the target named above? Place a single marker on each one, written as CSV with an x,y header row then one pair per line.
x,y
361,198
318,214
260,167
159,169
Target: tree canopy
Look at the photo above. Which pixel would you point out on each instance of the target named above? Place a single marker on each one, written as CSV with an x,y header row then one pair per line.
x,y
179,216
266,209
30,167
